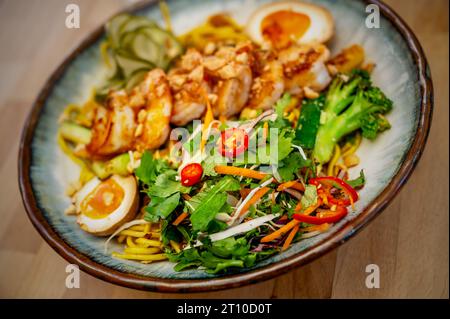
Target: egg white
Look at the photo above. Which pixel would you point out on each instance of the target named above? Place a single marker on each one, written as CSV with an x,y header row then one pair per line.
x,y
125,212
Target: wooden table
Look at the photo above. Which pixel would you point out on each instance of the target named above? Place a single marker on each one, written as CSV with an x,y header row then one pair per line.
x,y
409,241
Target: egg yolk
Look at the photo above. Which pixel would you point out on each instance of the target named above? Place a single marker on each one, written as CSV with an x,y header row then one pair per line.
x,y
284,26
103,200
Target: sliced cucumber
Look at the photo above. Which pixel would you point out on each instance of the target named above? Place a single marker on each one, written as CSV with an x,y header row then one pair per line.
x,y
75,133
136,78
169,44
99,169
146,49
137,45
117,165
113,27
135,23
112,63
129,64
112,84
126,40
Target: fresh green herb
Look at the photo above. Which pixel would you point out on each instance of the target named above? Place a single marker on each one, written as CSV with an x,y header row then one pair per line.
x,y
309,198
308,122
161,207
166,185
289,167
150,168
357,182
208,205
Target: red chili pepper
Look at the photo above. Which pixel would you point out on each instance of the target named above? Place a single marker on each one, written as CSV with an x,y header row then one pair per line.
x,y
233,142
191,174
332,217
335,181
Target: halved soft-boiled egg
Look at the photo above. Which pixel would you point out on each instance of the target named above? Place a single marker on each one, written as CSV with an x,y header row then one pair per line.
x,y
283,23
103,206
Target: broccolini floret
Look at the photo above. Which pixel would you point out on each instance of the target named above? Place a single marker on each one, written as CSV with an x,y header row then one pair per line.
x,y
351,103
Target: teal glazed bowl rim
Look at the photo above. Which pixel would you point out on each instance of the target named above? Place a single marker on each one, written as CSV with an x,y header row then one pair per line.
x,y
413,154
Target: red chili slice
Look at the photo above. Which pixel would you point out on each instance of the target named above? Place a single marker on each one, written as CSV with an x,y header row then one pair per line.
x,y
335,181
333,216
191,174
233,142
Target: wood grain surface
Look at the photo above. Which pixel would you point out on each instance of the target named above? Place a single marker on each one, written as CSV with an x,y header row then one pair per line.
x,y
409,241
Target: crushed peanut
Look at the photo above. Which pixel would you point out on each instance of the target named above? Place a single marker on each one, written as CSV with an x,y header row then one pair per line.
x,y
139,130
310,93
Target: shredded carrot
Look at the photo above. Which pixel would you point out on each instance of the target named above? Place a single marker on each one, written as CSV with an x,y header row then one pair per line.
x,y
180,218
245,172
260,193
291,184
309,209
265,130
291,236
324,198
186,196
209,117
244,192
322,228
281,231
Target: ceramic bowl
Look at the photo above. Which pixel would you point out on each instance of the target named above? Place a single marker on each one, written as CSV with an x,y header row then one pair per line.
x,y
44,171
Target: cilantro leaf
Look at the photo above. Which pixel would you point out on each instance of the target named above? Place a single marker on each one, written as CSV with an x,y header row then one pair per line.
x,y
282,104
308,122
291,165
150,168
166,185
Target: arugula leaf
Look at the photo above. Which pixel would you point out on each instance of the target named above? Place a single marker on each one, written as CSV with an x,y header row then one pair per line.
x,y
161,207
227,263
215,226
230,247
170,232
214,258
209,204
204,214
358,182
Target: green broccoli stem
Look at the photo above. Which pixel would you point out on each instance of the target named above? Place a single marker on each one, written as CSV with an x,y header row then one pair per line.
x,y
339,97
330,134
337,127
